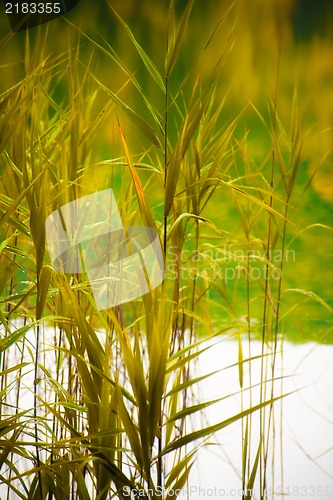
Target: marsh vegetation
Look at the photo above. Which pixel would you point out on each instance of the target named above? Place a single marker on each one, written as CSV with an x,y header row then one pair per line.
x,y
210,128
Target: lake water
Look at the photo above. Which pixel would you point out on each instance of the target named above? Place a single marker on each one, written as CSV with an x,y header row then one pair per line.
x,y
307,418
306,438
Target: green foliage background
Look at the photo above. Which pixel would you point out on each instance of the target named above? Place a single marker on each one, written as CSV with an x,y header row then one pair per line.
x,y
211,121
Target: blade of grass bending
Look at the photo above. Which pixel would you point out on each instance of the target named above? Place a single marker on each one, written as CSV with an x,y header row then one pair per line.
x,y
248,196
189,216
7,446
177,469
245,450
240,360
172,406
219,24
250,484
195,408
181,361
180,483
110,53
42,290
8,214
193,381
312,295
144,210
174,45
136,119
158,355
15,336
151,68
189,128
9,484
131,431
175,356
89,337
202,433
134,367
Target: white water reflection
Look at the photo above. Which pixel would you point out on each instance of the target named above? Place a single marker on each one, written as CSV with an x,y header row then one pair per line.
x,y
307,422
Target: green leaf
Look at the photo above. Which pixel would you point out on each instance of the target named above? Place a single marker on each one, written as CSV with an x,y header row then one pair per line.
x,y
178,468
8,214
136,119
208,431
253,475
42,290
130,429
153,71
311,295
174,44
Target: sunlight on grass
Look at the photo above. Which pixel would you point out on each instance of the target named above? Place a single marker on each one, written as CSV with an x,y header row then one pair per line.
x,y
209,128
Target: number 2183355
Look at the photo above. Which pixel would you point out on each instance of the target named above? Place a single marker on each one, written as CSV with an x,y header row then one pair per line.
x,y
33,8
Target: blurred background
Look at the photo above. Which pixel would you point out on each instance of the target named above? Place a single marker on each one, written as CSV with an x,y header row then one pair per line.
x,y
283,43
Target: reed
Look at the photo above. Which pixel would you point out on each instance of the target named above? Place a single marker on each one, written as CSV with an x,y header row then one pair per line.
x,y
99,404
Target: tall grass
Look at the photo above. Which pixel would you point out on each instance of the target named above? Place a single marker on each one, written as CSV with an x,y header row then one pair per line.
x,y
96,404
